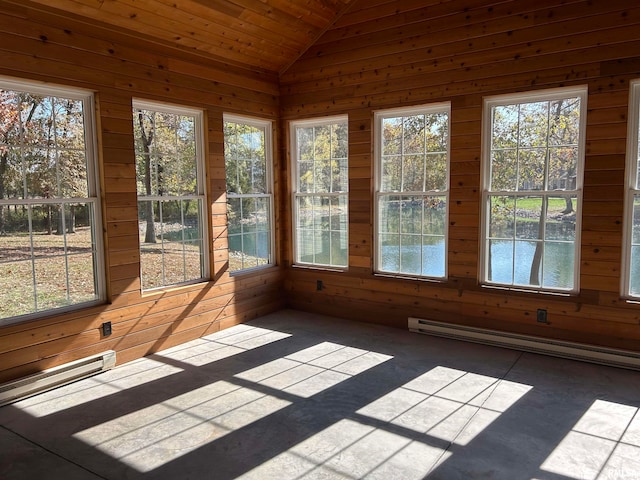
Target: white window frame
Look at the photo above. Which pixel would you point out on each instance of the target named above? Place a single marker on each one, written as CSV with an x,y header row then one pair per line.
x,y
632,187
267,127
93,187
443,107
295,194
487,123
201,182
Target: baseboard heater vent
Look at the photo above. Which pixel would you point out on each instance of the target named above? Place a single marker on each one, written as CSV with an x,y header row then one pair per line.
x,y
56,376
545,346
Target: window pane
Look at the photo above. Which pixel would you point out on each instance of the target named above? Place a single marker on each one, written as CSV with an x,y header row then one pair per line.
x,y
635,224
533,152
69,124
413,173
433,256
339,248
71,174
36,117
531,169
418,144
504,165
411,254
263,248
249,216
193,258
322,170
411,215
40,173
172,249
435,216
526,268
436,172
558,265
80,268
392,136
48,255
437,131
528,214
51,282
504,131
391,174
305,137
390,253
564,121
413,135
501,261
561,218
389,214
533,124
322,174
306,246
562,168
339,141
502,216
634,271
13,178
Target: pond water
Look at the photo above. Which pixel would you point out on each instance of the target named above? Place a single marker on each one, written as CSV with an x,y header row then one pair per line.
x,y
506,268
256,244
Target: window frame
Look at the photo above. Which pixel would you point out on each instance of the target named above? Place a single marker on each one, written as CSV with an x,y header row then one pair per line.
x,y
519,98
267,127
201,185
379,116
632,186
87,97
295,194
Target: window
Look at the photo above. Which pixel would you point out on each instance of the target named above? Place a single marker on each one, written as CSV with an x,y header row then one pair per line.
x,y
412,180
532,196
631,259
321,184
247,154
50,244
171,194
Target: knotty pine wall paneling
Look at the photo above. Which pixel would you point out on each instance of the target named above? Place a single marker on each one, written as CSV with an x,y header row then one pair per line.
x,y
385,54
36,44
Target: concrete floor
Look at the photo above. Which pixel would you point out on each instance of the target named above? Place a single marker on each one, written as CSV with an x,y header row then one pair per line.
x,y
299,396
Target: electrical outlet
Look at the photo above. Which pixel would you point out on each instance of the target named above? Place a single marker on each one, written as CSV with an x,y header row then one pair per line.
x,y
541,315
319,285
106,329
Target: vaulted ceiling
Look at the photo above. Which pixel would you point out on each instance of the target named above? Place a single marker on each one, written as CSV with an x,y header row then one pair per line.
x,y
265,34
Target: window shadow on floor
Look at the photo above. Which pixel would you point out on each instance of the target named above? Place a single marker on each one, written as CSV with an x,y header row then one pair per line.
x,y
294,396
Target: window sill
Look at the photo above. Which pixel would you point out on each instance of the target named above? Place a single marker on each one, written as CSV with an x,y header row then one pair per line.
x,y
253,270
417,278
518,289
321,268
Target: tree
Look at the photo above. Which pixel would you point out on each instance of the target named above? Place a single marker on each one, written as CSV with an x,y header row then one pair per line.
x,y
146,139
9,122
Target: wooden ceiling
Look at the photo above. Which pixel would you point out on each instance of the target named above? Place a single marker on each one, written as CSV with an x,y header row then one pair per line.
x,y
265,34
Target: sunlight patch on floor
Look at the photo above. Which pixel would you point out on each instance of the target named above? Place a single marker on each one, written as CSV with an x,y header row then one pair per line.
x,y
409,429
156,435
135,373
604,444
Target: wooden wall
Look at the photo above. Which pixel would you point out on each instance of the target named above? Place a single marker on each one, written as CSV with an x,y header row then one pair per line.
x,y
37,44
384,54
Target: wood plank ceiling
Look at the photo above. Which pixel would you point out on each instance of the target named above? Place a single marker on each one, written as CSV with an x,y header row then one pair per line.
x,y
264,34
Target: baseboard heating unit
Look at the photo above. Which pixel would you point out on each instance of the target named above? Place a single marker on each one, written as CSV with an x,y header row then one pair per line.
x,y
545,346
56,376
